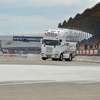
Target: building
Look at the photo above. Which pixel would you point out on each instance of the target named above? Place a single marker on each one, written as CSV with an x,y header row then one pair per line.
x,y
21,44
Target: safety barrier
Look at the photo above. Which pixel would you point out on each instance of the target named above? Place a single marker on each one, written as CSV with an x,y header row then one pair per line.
x,y
8,54
88,58
88,52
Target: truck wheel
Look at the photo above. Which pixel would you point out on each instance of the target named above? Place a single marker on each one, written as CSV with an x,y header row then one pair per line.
x,y
70,57
44,58
61,57
54,59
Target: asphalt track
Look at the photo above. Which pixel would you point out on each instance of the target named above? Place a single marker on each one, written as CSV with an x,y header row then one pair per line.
x,y
31,78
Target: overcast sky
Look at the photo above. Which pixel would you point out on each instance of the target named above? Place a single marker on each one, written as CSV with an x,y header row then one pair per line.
x,y
36,16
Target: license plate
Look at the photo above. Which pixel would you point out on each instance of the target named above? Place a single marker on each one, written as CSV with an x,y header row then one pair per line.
x,y
49,56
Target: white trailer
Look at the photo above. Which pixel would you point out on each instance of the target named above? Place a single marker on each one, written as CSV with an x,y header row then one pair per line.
x,y
56,47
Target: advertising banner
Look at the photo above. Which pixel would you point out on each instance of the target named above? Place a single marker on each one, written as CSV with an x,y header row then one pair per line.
x,y
80,52
83,51
77,52
81,48
95,51
93,47
88,47
27,39
91,51
87,51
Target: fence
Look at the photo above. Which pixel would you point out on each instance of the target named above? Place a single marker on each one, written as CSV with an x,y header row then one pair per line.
x,y
88,52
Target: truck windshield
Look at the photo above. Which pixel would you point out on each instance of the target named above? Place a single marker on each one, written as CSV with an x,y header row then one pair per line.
x,y
50,42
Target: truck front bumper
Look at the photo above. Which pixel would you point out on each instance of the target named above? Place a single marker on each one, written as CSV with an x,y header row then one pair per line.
x,y
56,56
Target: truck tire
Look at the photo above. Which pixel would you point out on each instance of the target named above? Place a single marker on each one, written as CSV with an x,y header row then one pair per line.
x,y
44,58
61,57
54,59
70,57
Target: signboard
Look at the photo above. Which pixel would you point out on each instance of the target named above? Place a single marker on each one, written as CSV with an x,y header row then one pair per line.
x,y
91,51
87,51
27,39
77,52
83,51
95,51
80,52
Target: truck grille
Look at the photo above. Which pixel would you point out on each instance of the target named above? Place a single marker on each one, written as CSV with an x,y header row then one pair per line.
x,y
49,50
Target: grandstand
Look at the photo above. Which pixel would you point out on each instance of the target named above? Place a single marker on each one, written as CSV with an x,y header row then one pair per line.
x,y
89,23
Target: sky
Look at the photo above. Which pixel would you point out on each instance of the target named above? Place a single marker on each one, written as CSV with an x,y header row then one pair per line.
x,y
36,16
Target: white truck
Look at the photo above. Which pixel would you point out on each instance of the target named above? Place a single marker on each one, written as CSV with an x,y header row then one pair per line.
x,y
56,47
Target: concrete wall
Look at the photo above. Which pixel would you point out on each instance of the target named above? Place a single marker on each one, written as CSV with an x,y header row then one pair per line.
x,y
6,38
88,58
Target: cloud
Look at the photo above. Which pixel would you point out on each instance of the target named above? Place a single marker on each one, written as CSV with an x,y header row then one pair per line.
x,y
5,17
38,15
26,24
59,3
8,1
48,3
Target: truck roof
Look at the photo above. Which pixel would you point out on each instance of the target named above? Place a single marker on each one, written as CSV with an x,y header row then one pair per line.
x,y
54,30
55,33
